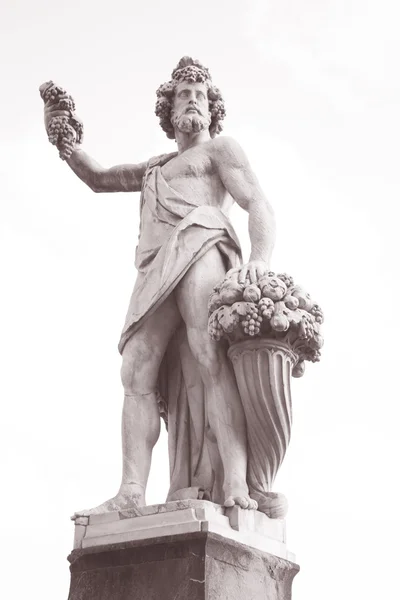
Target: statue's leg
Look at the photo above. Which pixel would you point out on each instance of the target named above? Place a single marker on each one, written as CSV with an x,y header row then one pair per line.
x,y
224,408
141,359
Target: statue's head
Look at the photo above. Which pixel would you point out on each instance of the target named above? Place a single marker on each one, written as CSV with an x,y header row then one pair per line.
x,y
189,101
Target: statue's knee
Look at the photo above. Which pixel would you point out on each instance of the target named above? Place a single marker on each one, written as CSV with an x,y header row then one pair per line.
x,y
136,376
127,375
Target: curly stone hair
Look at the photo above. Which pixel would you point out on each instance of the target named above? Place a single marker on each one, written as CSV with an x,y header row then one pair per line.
x,y
192,71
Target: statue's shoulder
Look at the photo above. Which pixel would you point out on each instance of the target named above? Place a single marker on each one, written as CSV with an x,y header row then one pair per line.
x,y
225,142
227,147
160,160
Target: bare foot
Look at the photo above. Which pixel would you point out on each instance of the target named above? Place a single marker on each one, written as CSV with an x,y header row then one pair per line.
x,y
129,495
244,501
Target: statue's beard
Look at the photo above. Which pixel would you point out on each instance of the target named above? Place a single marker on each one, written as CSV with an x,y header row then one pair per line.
x,y
190,123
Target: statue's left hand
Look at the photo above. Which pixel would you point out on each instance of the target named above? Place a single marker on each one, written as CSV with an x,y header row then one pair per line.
x,y
253,270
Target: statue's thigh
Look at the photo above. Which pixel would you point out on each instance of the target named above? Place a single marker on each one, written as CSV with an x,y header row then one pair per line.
x,y
146,347
193,291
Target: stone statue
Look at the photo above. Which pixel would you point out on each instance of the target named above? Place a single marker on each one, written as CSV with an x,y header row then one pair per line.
x,y
198,320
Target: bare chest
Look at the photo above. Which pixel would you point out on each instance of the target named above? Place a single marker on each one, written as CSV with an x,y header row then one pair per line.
x,y
192,174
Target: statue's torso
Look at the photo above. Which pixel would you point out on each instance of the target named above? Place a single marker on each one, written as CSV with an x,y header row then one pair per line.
x,y
193,174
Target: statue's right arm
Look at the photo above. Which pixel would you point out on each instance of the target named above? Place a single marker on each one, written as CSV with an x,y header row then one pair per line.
x,y
122,178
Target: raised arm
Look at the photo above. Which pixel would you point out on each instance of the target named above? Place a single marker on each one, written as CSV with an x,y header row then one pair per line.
x,y
65,131
122,178
242,184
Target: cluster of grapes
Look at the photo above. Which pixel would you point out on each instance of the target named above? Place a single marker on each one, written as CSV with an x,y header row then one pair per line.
x,y
266,307
218,114
62,135
66,146
306,330
163,106
52,93
311,355
215,328
217,109
318,314
252,323
67,104
192,74
287,279
57,127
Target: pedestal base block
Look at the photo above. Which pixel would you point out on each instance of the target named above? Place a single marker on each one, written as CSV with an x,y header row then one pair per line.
x,y
182,550
192,566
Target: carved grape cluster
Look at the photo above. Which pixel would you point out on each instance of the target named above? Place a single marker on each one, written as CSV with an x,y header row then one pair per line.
x,y
252,322
67,104
318,314
266,307
62,135
52,92
272,307
192,74
215,328
217,111
63,131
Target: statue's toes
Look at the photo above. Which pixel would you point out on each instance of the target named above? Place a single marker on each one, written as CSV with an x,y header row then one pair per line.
x,y
253,504
229,502
241,501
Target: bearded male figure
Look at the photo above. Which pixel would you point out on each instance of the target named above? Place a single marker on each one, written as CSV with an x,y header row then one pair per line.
x,y
185,247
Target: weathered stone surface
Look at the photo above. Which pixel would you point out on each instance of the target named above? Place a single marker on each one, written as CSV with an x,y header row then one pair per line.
x,y
251,528
196,566
154,509
186,244
228,428
242,520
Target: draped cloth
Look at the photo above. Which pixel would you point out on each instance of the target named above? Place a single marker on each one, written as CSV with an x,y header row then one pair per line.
x,y
175,232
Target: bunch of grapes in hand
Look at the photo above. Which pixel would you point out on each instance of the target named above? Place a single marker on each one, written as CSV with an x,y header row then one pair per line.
x,y
64,129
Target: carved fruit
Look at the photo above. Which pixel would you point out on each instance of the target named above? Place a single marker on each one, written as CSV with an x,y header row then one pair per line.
x,y
306,329
318,314
303,297
252,293
317,341
214,302
272,288
230,293
287,279
291,302
298,370
266,308
280,323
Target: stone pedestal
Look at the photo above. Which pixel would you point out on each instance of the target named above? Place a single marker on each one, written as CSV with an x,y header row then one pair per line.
x,y
186,550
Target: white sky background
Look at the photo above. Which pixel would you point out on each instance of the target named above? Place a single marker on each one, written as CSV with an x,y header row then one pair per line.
x,y
312,93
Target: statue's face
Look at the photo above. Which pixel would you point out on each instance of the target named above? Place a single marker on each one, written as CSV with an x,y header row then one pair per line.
x,y
190,112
